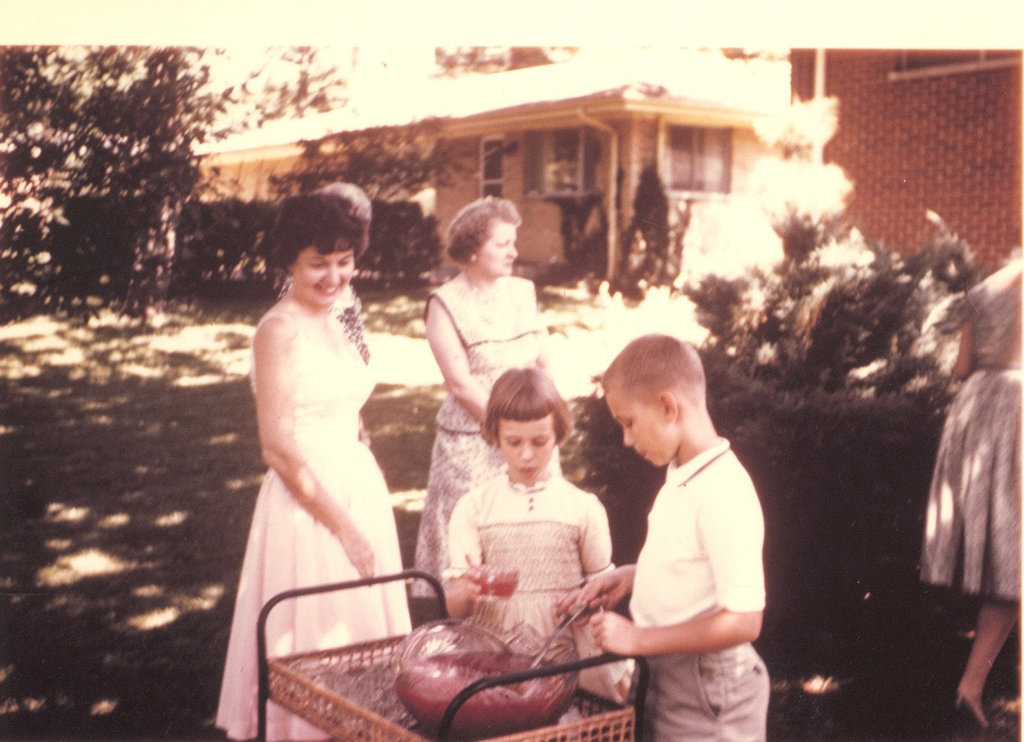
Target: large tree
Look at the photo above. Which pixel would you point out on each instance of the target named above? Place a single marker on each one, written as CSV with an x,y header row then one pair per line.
x,y
98,149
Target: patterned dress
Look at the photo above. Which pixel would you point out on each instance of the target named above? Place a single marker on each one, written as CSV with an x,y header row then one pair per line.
x,y
500,331
553,534
972,528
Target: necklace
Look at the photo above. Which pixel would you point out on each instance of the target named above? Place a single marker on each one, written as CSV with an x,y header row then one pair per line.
x,y
481,289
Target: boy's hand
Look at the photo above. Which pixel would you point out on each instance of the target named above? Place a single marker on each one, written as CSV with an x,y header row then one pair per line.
x,y
605,590
614,634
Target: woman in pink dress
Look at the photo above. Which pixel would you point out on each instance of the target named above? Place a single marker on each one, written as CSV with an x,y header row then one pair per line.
x,y
323,513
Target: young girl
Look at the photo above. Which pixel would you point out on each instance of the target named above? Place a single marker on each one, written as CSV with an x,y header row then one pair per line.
x,y
527,519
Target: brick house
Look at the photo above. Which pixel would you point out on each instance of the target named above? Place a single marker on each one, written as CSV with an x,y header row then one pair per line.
x,y
582,131
925,130
552,136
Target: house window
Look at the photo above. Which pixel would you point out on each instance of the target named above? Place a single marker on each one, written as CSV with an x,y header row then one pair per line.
x,y
916,59
919,64
699,159
561,162
492,168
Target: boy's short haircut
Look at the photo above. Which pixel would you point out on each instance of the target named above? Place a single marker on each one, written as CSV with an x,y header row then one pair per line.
x,y
524,394
656,363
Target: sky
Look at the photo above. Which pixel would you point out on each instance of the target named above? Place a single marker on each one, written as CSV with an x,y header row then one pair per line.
x,y
399,24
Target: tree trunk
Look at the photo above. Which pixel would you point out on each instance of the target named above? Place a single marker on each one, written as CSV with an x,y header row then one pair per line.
x,y
154,261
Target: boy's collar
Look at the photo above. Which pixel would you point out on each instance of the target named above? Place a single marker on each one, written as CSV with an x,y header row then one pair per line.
x,y
681,474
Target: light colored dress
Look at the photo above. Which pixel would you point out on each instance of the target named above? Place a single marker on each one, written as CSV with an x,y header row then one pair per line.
x,y
288,548
554,534
499,332
972,527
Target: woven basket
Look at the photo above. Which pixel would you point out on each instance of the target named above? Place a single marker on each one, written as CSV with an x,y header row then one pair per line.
x,y
293,686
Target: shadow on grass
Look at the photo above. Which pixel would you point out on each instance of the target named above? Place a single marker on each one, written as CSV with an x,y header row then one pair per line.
x,y
127,506
124,511
125,501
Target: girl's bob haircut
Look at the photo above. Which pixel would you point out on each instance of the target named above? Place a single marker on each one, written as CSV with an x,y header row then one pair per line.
x,y
524,394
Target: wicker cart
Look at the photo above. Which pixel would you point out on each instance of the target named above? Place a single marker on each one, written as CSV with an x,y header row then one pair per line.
x,y
297,682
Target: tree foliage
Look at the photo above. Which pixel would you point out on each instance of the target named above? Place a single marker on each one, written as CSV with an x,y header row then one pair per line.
x,y
99,162
388,162
111,126
458,60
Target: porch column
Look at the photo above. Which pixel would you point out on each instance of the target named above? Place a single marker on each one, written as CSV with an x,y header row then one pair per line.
x,y
613,182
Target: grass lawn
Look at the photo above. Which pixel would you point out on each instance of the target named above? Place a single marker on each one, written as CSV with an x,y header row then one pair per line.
x,y
128,474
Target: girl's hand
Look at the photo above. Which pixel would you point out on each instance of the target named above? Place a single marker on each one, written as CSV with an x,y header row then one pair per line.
x,y
614,634
463,593
360,553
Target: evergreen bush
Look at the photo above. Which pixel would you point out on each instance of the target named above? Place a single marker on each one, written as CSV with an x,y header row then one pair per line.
x,y
404,245
652,254
830,377
219,248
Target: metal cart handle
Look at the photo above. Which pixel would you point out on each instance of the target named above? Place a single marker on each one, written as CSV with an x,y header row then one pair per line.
x,y
643,672
261,626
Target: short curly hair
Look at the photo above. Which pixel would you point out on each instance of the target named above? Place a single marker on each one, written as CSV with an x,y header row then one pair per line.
x,y
524,394
472,225
318,219
358,203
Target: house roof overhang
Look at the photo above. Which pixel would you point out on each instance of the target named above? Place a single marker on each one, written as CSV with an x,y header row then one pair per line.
x,y
685,85
606,108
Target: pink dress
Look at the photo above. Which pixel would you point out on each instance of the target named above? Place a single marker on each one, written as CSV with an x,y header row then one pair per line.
x,y
287,548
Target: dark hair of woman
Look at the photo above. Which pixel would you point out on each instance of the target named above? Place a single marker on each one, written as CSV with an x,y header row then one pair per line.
x,y
320,220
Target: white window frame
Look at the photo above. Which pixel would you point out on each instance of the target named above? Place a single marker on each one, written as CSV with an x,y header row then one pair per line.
x,y
666,148
911,69
488,185
545,138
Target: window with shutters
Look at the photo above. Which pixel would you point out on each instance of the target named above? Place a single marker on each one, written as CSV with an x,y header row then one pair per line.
x,y
561,162
492,167
699,159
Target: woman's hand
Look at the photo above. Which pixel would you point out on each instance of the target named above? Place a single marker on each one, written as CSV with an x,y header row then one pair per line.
x,y
360,552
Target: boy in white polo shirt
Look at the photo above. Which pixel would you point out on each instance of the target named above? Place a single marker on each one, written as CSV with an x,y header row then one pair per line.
x,y
698,584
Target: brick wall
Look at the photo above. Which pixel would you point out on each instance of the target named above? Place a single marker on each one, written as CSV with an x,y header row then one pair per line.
x,y
949,143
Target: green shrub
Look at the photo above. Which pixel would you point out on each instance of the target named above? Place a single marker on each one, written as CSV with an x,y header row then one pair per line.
x,y
830,378
652,254
76,264
850,317
218,248
404,245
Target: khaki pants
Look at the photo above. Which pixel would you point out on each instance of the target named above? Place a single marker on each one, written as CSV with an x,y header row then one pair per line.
x,y
718,696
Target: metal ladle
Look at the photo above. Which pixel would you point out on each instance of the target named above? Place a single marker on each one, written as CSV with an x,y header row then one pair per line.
x,y
569,618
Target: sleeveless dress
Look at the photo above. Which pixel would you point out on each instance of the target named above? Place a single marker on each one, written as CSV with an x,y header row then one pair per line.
x,y
288,548
500,332
972,526
553,534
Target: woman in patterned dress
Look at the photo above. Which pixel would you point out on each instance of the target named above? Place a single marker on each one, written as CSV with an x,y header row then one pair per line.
x,y
972,529
479,324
